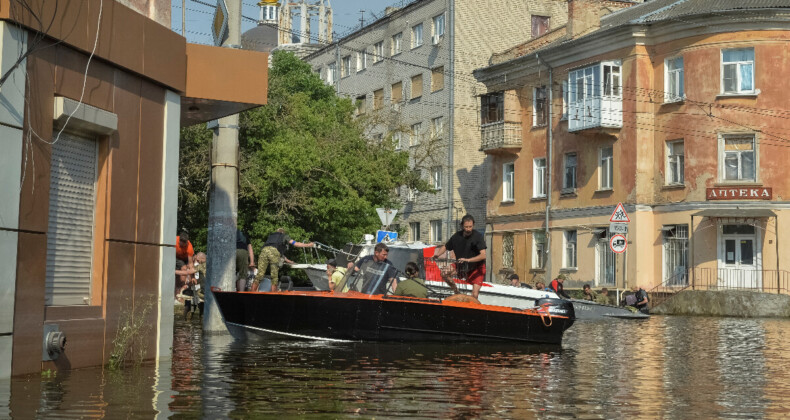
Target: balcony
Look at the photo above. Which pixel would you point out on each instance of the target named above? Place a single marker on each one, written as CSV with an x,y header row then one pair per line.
x,y
500,136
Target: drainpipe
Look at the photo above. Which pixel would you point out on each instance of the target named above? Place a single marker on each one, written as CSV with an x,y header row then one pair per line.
x,y
451,130
549,165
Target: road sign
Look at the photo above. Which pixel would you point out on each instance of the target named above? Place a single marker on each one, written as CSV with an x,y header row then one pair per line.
x,y
619,214
618,227
385,236
219,28
618,244
386,215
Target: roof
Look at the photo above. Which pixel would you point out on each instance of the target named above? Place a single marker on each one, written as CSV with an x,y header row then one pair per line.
x,y
261,38
659,10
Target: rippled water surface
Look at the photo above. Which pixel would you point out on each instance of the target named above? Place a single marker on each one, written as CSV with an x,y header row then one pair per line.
x,y
664,367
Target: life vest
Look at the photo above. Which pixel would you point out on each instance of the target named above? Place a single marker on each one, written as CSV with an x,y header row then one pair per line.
x,y
277,240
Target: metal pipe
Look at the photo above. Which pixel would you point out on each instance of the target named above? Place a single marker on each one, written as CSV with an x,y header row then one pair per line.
x,y
451,116
549,165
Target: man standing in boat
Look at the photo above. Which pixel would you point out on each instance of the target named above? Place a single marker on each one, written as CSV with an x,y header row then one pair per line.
x,y
469,248
274,250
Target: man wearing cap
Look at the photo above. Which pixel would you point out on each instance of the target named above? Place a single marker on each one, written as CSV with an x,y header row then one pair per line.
x,y
556,286
334,273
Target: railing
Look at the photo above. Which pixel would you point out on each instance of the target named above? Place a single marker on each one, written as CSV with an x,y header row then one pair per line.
x,y
500,135
765,281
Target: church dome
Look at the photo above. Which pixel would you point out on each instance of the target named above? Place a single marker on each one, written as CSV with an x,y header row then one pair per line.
x,y
262,38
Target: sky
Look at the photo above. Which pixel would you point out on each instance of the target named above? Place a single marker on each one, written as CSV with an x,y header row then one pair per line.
x,y
200,12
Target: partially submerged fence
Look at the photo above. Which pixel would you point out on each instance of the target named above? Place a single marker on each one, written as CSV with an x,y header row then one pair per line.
x,y
765,281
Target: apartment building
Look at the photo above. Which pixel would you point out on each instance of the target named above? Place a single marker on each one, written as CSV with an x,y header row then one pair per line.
x,y
677,109
90,115
410,73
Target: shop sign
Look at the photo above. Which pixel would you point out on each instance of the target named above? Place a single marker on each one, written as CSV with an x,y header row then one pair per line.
x,y
738,193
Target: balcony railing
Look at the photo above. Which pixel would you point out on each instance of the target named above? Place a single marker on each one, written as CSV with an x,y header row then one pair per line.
x,y
500,135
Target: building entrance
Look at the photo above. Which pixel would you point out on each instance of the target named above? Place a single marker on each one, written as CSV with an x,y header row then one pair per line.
x,y
739,258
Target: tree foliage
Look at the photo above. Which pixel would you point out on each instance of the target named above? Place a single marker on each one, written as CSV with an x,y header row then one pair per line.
x,y
305,165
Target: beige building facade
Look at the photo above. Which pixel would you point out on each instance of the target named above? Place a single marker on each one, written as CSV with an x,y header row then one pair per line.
x,y
410,73
675,109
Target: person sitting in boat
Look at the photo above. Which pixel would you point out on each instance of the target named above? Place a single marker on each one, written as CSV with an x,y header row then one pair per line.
x,y
540,286
413,286
588,293
556,286
469,248
272,254
334,273
516,282
603,297
641,299
379,272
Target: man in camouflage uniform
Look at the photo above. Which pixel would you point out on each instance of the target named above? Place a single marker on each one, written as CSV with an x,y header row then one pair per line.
x,y
272,253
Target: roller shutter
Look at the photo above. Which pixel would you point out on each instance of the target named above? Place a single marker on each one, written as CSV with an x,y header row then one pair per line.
x,y
72,203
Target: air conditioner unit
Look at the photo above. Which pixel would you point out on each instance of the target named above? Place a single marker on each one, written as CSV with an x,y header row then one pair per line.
x,y
436,38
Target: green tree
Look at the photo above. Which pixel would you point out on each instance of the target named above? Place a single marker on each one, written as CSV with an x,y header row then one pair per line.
x,y
305,165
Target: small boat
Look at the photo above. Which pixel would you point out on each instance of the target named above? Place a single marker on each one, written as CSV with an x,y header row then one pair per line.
x,y
369,316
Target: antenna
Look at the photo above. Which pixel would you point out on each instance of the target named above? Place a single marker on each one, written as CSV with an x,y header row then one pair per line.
x,y
361,19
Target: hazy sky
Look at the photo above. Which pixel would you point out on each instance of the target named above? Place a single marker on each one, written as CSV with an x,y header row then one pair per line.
x,y
199,15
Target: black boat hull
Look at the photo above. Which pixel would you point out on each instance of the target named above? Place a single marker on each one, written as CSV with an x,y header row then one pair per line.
x,y
356,317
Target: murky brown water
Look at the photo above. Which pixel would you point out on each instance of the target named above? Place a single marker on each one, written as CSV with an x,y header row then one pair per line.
x,y
664,367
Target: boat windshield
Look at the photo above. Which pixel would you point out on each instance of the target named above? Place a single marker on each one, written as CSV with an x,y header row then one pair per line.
x,y
372,278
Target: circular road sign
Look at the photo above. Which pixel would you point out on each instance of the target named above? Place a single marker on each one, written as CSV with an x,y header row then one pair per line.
x,y
618,244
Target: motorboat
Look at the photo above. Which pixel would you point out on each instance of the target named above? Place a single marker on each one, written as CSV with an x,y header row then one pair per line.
x,y
364,313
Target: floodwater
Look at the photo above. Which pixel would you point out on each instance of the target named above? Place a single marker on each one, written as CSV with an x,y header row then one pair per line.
x,y
664,367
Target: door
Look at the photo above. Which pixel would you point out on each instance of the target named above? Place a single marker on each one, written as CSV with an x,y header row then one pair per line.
x,y
739,258
604,262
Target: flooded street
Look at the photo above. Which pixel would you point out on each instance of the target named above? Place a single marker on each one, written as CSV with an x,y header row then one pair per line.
x,y
664,367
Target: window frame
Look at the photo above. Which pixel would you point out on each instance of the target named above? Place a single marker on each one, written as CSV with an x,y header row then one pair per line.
x,y
738,82
378,52
411,85
723,137
565,187
437,75
345,67
361,103
669,245
437,127
538,250
570,239
540,101
536,19
417,35
362,60
437,34
396,44
669,95
436,177
331,73
603,165
564,87
414,134
539,178
676,164
508,182
414,234
436,231
489,102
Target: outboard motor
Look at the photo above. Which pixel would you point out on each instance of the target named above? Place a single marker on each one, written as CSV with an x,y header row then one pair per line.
x,y
559,307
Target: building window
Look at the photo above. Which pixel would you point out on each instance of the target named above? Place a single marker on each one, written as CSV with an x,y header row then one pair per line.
x,y
538,249
331,73
362,60
569,174
72,204
414,231
397,140
564,100
676,254
737,159
378,51
416,86
539,178
569,251
737,71
436,230
397,92
539,108
397,40
437,79
438,28
611,80
437,127
414,136
675,163
595,96
361,104
605,168
507,250
508,181
436,177
540,25
345,66
378,98
492,108
416,35
673,80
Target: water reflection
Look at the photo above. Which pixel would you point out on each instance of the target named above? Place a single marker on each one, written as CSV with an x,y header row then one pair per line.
x,y
667,367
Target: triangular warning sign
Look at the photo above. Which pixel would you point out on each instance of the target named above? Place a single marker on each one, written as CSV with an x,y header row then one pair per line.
x,y
619,214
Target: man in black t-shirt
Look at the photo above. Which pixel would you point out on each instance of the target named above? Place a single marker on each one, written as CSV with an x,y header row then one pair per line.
x,y
469,248
379,271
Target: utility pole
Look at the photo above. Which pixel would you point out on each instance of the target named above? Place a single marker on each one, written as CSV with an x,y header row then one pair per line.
x,y
223,201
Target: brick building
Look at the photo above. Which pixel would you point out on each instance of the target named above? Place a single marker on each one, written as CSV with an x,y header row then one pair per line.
x,y
90,115
410,73
676,109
